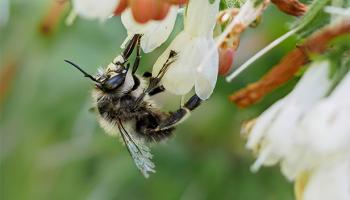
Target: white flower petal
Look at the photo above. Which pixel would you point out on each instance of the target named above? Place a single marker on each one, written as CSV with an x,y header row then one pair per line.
x,y
313,86
341,92
262,124
200,17
206,75
330,181
192,45
154,32
326,127
92,9
179,78
156,36
257,141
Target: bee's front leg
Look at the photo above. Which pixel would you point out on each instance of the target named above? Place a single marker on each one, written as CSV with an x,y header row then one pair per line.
x,y
124,56
138,56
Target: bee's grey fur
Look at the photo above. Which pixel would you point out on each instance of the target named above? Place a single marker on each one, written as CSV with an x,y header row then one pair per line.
x,y
129,110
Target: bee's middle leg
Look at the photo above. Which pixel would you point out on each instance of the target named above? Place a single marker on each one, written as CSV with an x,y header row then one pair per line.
x,y
155,90
147,75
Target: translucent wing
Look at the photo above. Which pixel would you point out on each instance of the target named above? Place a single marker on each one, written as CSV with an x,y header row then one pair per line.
x,y
138,151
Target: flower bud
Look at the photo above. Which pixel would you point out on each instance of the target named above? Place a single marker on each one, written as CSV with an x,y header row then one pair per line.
x,y
226,58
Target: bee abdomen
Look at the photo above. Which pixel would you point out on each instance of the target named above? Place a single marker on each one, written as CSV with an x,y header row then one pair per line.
x,y
146,127
158,135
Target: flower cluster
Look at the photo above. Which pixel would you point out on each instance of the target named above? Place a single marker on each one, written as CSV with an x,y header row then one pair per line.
x,y
308,133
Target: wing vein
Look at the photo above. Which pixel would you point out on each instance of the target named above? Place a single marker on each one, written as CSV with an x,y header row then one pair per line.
x,y
138,151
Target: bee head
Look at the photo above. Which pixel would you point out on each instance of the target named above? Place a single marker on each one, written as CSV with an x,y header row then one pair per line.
x,y
107,80
112,78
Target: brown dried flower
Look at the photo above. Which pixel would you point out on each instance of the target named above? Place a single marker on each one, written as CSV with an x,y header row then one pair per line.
x,y
289,65
291,7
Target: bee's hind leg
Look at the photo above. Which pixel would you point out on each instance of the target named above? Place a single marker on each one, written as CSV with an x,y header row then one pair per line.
x,y
181,114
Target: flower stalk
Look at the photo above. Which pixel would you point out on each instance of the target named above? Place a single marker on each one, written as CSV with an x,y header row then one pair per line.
x,y
53,16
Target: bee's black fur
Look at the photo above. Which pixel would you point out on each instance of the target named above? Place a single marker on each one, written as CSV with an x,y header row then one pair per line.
x,y
137,83
123,103
144,119
121,96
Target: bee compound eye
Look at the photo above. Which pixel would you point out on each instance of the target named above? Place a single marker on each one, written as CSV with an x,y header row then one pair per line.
x,y
114,82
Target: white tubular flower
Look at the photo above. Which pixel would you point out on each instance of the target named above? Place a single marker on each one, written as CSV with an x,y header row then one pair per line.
x,y
92,9
323,134
192,45
154,33
274,132
308,133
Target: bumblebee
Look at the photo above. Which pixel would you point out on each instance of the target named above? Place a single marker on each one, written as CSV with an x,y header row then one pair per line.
x,y
123,101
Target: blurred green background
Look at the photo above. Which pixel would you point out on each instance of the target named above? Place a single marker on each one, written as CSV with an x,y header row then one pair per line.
x,y
52,147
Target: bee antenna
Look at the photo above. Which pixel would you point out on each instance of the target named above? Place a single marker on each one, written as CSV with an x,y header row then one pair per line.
x,y
82,71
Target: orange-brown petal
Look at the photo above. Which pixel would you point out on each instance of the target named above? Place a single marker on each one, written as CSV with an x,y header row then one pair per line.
x,y
162,11
176,1
142,10
121,7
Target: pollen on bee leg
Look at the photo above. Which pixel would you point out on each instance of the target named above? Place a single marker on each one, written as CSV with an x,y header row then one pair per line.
x,y
118,59
111,67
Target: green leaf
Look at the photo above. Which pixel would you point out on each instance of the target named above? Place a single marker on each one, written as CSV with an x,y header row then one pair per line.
x,y
257,2
314,9
225,4
339,57
319,21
